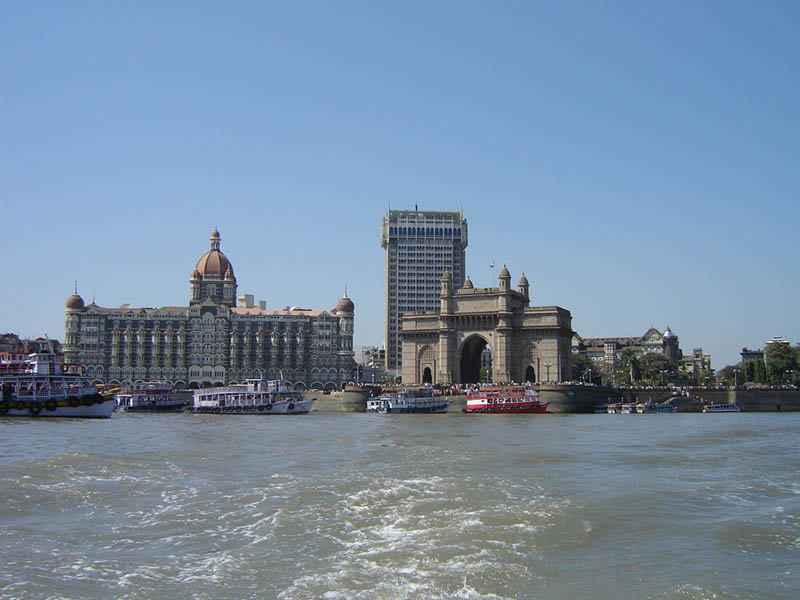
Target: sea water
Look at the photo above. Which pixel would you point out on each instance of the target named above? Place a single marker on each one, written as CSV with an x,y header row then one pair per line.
x,y
341,506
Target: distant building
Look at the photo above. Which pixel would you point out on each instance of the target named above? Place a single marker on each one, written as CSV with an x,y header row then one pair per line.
x,y
10,342
694,364
605,352
373,356
748,355
371,363
420,246
775,340
218,338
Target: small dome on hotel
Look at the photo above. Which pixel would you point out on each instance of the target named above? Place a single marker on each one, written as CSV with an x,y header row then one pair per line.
x,y
74,301
345,305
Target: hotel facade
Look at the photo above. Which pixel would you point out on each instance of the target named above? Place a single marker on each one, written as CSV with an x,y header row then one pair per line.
x,y
212,341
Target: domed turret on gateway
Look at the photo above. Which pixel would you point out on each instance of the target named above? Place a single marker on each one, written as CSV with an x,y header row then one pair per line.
x,y
213,276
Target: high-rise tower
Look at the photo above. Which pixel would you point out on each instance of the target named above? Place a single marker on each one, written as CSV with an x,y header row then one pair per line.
x,y
420,247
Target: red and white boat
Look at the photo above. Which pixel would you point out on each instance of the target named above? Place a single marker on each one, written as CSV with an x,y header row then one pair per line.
x,y
506,399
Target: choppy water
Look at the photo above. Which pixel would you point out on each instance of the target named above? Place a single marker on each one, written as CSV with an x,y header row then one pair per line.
x,y
346,506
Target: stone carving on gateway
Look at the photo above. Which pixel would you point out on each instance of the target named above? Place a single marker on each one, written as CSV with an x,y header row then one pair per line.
x,y
212,341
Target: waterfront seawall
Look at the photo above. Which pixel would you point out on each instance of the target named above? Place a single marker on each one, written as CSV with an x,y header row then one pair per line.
x,y
583,399
345,401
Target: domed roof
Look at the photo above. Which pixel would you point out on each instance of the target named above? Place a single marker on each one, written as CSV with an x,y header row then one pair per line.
x,y
668,333
468,284
195,274
447,276
345,305
504,273
74,301
523,280
214,262
228,272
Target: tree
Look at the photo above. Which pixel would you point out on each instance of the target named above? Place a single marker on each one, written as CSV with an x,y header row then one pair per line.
x,y
750,370
581,365
624,371
760,372
727,375
781,357
652,365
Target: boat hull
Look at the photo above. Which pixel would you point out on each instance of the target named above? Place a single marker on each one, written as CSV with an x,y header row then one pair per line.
x,y
299,407
62,408
175,408
508,409
400,410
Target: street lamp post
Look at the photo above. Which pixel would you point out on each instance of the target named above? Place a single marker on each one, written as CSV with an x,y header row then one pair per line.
x,y
548,365
735,377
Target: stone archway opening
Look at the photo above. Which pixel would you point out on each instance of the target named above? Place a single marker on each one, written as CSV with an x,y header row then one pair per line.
x,y
427,376
530,374
475,354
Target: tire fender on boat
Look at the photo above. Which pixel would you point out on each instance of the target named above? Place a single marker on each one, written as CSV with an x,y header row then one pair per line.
x,y
73,401
34,408
64,367
51,405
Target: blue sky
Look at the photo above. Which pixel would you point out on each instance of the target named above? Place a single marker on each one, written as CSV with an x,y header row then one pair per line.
x,y
637,160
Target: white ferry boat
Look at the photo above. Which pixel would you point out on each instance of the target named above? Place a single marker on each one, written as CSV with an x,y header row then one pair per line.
x,y
648,408
153,396
718,408
409,401
41,385
254,397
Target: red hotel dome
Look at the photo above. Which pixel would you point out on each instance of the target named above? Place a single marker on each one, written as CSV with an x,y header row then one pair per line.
x,y
214,262
74,301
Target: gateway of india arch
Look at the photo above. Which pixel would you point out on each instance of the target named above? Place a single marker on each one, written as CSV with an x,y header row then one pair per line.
x,y
527,343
